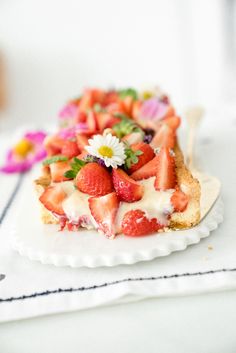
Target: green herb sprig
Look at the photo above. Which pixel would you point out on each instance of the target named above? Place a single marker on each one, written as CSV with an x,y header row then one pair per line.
x,y
131,157
76,165
54,159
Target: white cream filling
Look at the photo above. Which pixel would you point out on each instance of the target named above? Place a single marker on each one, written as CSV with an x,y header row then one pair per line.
x,y
155,204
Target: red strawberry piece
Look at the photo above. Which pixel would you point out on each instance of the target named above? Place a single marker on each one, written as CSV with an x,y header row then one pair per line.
x,y
70,149
58,170
80,117
133,137
144,158
170,111
82,141
103,120
53,145
127,189
164,137
165,175
135,223
147,171
94,180
104,210
110,98
89,98
179,201
91,121
127,103
136,110
173,122
52,198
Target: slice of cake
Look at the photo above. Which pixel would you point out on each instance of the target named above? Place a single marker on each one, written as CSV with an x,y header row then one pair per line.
x,y
115,165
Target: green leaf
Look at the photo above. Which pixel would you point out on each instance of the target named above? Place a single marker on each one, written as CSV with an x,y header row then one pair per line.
x,y
128,92
55,159
76,165
131,157
70,174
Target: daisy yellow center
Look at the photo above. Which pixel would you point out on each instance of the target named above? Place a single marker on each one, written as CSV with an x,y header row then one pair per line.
x,y
23,147
105,151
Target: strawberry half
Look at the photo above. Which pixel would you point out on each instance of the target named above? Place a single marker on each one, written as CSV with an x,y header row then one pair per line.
x,y
165,175
82,141
173,122
93,179
135,223
58,170
179,201
70,149
147,171
104,210
52,198
127,189
145,157
164,137
133,138
91,121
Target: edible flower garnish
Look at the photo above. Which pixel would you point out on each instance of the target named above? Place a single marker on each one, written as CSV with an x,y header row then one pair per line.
x,y
68,111
108,148
153,109
69,133
28,151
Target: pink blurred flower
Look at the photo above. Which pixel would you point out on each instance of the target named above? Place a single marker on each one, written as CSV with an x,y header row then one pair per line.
x,y
153,109
68,111
28,151
71,132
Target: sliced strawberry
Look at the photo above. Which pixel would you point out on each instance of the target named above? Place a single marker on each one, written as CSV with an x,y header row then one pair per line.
x,y
58,170
80,117
147,171
103,120
52,198
126,188
94,180
104,210
135,223
110,98
91,121
53,145
82,141
89,98
179,201
173,122
70,149
165,176
136,110
134,137
164,137
170,111
145,157
127,103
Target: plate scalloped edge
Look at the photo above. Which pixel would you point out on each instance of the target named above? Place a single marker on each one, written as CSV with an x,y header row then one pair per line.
x,y
192,236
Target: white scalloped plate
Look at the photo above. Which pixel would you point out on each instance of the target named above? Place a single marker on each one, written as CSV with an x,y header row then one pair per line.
x,y
88,248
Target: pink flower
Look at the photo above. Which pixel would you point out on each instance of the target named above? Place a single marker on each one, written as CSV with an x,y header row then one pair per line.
x,y
153,109
28,151
68,111
71,132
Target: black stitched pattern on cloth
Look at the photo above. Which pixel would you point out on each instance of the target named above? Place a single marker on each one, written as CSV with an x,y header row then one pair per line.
x,y
12,197
107,284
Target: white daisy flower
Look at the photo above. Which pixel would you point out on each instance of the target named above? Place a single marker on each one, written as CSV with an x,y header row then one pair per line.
x,y
108,148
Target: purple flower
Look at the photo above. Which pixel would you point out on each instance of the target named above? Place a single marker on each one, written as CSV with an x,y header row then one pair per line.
x,y
153,109
28,151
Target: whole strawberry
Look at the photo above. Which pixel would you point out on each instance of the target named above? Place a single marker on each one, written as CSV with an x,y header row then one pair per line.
x,y
93,179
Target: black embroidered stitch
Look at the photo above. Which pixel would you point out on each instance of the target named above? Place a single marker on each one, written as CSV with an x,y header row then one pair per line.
x,y
80,289
11,198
